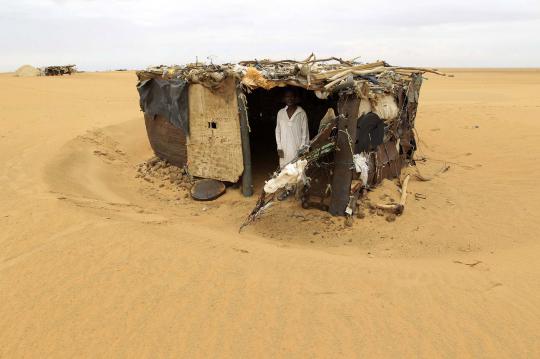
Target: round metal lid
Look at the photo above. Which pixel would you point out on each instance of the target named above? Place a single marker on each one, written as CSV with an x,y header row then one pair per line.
x,y
207,189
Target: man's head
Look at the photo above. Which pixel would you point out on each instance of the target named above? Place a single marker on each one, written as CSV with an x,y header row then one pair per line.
x,y
290,97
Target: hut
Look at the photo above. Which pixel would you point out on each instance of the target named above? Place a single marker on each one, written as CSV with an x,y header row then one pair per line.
x,y
58,70
219,120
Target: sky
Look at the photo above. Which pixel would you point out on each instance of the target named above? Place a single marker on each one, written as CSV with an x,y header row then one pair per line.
x,y
133,34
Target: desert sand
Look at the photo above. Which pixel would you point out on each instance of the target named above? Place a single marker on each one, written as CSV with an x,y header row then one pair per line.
x,y
95,262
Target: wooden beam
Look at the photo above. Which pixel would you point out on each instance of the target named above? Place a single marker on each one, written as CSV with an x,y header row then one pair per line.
x,y
247,178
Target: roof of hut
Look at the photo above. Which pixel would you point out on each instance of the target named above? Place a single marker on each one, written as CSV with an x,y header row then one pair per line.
x,y
321,75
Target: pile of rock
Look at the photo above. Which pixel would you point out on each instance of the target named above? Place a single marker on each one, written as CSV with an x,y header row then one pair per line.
x,y
158,170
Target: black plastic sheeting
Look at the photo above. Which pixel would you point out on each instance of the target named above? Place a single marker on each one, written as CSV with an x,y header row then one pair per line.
x,y
369,132
168,98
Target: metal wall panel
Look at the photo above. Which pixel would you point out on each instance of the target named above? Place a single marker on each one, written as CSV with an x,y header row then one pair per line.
x,y
167,141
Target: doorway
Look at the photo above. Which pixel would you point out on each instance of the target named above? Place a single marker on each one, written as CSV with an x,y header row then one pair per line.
x,y
262,108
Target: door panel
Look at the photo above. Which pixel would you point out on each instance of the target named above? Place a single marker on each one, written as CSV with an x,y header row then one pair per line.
x,y
214,145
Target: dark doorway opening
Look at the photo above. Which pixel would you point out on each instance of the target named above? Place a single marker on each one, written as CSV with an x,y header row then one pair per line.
x,y
262,107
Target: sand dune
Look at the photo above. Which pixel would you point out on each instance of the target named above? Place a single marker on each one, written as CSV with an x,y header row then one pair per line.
x,y
97,263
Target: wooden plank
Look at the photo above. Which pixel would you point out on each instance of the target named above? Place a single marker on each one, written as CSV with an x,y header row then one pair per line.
x,y
247,178
348,106
214,144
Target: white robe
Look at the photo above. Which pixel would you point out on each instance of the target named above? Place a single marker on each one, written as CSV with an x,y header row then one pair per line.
x,y
291,133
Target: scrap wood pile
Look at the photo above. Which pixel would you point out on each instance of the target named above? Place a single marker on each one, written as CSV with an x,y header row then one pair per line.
x,y
295,172
58,70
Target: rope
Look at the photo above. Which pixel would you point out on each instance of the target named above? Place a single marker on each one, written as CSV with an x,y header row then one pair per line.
x,y
350,140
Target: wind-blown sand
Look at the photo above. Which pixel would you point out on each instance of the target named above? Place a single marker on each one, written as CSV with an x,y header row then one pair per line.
x,y
97,263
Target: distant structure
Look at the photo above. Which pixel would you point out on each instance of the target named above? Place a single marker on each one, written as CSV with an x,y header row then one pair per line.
x,y
58,70
30,71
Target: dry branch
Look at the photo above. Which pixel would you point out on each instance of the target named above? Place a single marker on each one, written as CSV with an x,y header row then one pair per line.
x,y
397,208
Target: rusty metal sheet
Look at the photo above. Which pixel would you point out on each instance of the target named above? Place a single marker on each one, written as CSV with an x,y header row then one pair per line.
x,y
348,105
408,144
167,141
388,162
386,152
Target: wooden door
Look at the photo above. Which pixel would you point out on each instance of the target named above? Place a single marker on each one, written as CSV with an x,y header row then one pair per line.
x,y
214,148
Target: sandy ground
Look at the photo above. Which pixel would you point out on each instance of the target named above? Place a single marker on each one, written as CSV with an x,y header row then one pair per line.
x,y
97,263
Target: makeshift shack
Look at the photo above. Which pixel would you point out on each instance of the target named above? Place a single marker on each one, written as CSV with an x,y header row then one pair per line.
x,y
219,120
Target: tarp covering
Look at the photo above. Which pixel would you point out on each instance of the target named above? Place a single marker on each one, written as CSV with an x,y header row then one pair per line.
x,y
168,98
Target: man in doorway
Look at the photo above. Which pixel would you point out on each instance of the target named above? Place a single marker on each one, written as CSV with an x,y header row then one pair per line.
x,y
292,132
